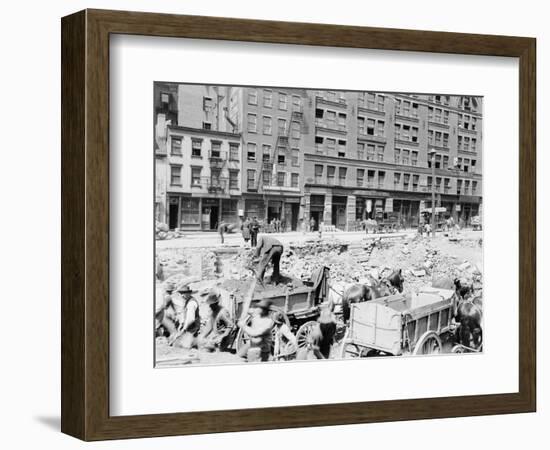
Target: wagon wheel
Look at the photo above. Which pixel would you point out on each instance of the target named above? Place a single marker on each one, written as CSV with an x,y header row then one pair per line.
x,y
243,338
458,349
303,333
428,344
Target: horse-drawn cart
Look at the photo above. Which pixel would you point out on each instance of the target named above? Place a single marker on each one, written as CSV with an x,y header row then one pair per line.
x,y
397,325
299,306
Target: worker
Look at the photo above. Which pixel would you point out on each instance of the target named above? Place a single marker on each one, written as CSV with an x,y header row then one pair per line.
x,y
268,250
254,230
258,348
285,343
189,320
166,315
222,229
218,325
320,340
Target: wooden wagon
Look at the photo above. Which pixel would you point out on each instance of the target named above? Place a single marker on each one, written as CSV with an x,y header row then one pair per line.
x,y
300,306
398,324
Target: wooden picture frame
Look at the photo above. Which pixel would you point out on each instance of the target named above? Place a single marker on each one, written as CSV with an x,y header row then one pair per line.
x,y
85,224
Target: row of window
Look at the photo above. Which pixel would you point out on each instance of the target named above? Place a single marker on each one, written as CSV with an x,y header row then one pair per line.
x,y
373,127
438,138
329,146
267,99
371,100
252,154
267,126
197,180
467,143
327,118
197,148
404,132
283,178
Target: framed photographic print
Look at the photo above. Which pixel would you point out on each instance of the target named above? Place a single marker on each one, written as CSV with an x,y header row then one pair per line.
x,y
333,224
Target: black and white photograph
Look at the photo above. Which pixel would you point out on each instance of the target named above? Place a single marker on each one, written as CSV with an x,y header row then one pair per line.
x,y
295,224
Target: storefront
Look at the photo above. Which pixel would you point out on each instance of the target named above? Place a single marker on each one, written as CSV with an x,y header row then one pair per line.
x,y
316,210
408,211
195,213
339,219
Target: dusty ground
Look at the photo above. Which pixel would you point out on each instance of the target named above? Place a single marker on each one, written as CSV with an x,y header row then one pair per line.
x,y
350,260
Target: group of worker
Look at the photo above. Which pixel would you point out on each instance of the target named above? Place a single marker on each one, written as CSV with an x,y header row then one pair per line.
x,y
179,319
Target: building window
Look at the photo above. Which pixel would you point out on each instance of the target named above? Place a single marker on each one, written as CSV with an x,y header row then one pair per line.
x,y
370,127
380,99
360,150
414,158
207,104
405,157
458,187
252,97
196,176
342,119
446,117
295,180
295,157
361,125
473,142
415,110
380,154
250,179
266,177
233,179
281,179
267,125
176,146
215,149
371,100
331,119
251,151
281,160
215,177
175,175
397,156
233,151
331,170
196,148
296,103
318,174
206,126
445,161
342,172
370,152
396,179
415,182
319,144
341,148
360,177
370,178
296,130
268,98
251,127
319,113
445,139
164,97
406,181
281,126
381,179
331,144
283,101
474,187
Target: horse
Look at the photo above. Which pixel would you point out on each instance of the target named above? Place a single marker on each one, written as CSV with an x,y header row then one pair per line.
x,y
469,314
358,293
394,281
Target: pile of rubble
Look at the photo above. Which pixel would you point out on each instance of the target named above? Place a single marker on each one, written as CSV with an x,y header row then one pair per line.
x,y
162,232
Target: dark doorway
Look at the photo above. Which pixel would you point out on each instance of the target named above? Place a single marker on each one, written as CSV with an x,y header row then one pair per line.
x,y
214,211
295,208
316,216
173,216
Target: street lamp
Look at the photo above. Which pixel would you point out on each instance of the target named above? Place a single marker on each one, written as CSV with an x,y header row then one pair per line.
x,y
432,154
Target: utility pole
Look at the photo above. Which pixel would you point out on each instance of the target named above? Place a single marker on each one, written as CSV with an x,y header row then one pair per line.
x,y
432,154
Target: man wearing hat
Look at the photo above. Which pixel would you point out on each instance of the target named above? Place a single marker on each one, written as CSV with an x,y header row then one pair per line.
x,y
321,338
218,325
166,315
268,250
190,320
285,342
259,346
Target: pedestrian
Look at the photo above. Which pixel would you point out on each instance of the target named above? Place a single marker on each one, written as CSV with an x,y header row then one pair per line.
x,y
259,346
245,229
312,224
218,325
254,230
189,320
268,250
222,229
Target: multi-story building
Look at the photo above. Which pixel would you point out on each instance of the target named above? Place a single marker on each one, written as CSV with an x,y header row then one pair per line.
x,y
199,169
273,123
224,153
370,157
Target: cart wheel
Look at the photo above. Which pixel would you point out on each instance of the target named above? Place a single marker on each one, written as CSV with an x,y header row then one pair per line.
x,y
243,338
428,344
303,333
458,349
